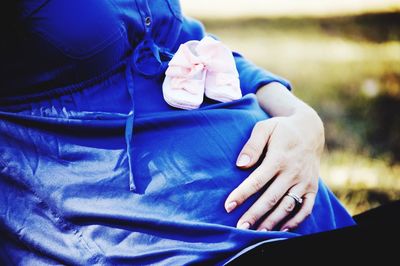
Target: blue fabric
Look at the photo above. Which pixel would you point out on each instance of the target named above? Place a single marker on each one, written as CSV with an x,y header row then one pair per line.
x,y
95,168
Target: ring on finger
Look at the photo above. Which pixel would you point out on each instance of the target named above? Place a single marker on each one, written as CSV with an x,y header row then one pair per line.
x,y
296,198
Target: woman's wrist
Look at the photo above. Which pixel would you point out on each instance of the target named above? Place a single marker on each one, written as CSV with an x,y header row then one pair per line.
x,y
278,101
311,126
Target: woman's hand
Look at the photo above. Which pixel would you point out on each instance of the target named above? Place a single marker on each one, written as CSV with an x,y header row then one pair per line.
x,y
290,145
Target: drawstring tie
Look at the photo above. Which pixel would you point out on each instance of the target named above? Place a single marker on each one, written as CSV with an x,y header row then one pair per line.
x,y
149,60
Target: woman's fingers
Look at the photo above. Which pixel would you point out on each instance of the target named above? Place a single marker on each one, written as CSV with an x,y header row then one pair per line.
x,y
266,202
285,208
303,213
253,183
254,147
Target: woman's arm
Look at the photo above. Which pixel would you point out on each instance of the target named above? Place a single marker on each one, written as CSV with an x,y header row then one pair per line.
x,y
292,142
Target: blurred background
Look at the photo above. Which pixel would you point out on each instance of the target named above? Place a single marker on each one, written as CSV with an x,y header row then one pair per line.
x,y
342,58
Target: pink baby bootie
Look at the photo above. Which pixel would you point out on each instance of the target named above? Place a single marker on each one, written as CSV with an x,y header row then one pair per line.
x,y
199,68
183,86
222,80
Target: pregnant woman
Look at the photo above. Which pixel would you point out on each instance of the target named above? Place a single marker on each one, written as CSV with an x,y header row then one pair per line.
x,y
97,166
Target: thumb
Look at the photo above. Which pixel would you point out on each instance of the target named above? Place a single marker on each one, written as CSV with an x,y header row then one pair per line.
x,y
255,145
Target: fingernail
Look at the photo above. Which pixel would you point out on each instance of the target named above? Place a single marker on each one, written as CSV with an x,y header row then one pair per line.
x,y
245,225
244,160
264,230
285,230
231,205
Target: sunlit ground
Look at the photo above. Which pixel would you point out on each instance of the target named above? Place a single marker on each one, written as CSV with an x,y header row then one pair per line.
x,y
348,69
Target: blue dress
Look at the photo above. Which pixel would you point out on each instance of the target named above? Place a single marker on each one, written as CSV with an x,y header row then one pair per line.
x,y
95,168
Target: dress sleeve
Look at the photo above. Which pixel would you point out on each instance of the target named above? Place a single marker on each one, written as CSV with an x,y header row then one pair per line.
x,y
252,77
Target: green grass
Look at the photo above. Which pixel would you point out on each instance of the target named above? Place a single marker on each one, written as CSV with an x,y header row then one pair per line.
x,y
348,69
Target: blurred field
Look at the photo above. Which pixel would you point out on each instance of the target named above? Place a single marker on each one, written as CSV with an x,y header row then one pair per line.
x,y
348,69
286,8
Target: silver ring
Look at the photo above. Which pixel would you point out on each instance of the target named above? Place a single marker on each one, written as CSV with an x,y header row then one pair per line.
x,y
296,198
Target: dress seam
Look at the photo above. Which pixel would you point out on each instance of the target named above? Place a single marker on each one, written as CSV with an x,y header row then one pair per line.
x,y
95,256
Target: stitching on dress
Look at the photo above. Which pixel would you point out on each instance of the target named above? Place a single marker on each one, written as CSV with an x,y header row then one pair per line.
x,y
35,10
174,12
115,36
95,256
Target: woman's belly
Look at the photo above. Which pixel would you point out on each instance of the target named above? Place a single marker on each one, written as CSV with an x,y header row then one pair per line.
x,y
185,161
73,177
72,152
183,164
